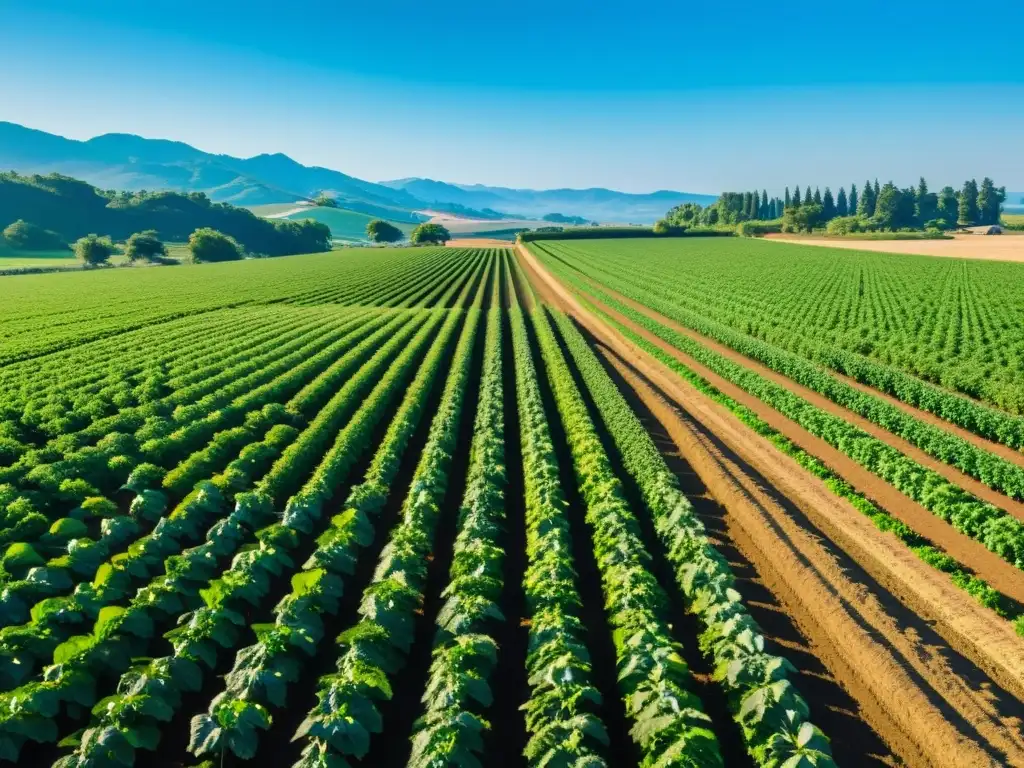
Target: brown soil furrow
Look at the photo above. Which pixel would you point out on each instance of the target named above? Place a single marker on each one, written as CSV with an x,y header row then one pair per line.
x,y
989,566
890,659
951,473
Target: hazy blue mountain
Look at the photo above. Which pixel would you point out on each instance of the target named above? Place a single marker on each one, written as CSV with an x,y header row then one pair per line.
x,y
125,161
128,162
605,205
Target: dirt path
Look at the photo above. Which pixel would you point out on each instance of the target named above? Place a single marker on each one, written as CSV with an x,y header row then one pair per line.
x,y
954,475
910,679
985,247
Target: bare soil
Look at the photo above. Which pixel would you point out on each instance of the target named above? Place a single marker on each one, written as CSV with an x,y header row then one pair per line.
x,y
938,676
1005,247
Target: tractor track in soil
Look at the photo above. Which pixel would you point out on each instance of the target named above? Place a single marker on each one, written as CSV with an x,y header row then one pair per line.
x,y
933,673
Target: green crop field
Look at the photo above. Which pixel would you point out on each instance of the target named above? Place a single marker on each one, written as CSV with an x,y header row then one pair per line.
x,y
411,506
261,510
958,323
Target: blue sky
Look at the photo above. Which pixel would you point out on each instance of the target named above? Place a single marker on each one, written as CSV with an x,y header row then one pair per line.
x,y
635,96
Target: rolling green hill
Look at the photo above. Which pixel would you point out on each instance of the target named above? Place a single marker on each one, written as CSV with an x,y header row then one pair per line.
x,y
344,224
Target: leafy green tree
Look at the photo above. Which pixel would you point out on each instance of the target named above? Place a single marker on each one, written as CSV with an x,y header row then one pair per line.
x,y
967,213
209,245
808,197
990,201
304,236
28,237
842,207
828,206
325,201
894,208
430,233
948,207
93,250
380,231
145,246
852,205
866,206
802,219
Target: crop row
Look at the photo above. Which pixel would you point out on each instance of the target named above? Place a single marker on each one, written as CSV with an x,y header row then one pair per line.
x,y
796,329
374,649
990,469
994,528
265,669
773,716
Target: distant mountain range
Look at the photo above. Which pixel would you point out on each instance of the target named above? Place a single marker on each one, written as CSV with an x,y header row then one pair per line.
x,y
598,204
129,162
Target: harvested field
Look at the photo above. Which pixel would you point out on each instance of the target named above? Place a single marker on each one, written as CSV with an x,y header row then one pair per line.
x,y
1006,247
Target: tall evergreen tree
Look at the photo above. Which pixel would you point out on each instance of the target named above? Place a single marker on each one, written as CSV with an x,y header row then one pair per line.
x,y
852,205
817,196
745,206
764,204
877,190
866,206
990,201
788,201
755,205
925,203
828,206
808,197
968,209
796,196
841,205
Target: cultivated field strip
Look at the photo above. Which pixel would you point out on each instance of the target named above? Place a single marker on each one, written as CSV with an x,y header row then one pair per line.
x,y
989,733
1003,473
392,507
826,310
995,529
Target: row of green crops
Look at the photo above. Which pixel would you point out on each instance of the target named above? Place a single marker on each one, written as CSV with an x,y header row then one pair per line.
x,y
81,663
994,528
996,472
900,324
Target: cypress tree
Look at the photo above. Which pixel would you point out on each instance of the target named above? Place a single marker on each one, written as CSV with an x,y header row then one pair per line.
x,y
828,206
841,208
817,196
746,205
808,197
852,205
796,196
755,205
877,191
764,205
788,200
866,206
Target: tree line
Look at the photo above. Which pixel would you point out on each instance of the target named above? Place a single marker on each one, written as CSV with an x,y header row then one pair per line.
x,y
873,206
